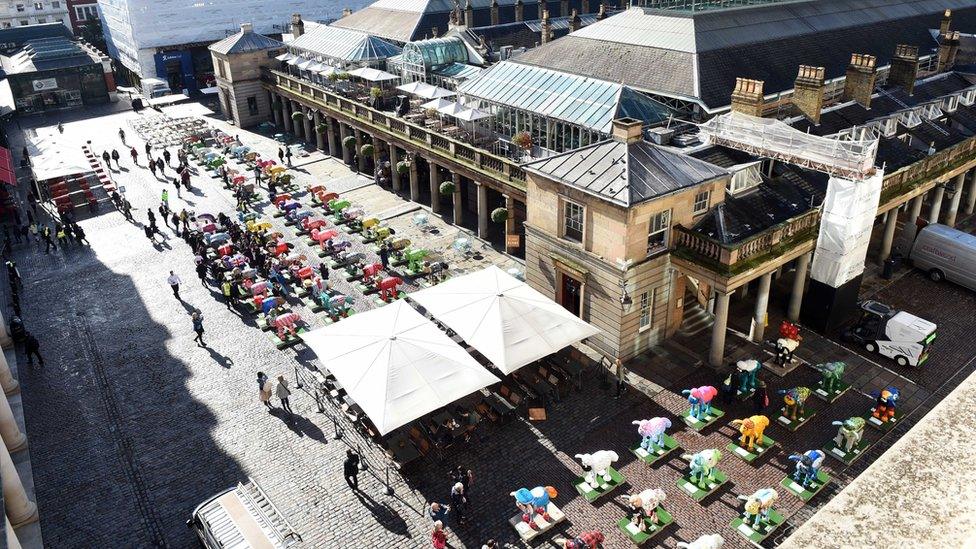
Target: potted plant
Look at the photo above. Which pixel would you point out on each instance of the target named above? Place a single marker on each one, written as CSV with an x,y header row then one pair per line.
x,y
322,127
499,215
447,187
366,150
297,115
342,75
523,140
431,113
403,167
375,92
349,142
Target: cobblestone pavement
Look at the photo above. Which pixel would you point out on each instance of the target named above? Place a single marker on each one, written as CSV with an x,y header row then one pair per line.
x,y
131,424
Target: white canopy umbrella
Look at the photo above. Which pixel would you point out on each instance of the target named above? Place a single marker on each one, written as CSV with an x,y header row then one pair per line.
x,y
451,108
502,317
304,64
396,364
436,104
414,88
470,115
315,67
285,57
372,75
435,91
326,70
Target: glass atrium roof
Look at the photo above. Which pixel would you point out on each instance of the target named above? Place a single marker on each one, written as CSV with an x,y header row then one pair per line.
x,y
436,52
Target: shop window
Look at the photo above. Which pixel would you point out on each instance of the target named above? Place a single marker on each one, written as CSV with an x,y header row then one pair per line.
x,y
701,202
38,6
572,221
657,235
20,7
252,105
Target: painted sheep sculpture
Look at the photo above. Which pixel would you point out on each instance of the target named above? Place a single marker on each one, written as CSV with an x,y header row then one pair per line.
x,y
807,466
751,429
758,505
652,430
748,375
849,434
700,400
534,502
286,323
708,541
702,464
645,504
795,400
598,464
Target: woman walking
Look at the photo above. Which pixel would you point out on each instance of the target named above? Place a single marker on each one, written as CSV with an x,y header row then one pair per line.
x,y
198,328
264,390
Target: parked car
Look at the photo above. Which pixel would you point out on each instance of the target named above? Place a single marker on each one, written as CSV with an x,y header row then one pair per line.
x,y
242,517
945,254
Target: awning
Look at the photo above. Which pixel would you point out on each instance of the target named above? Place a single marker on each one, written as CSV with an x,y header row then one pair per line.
x,y
507,321
285,57
436,104
51,158
326,70
304,65
425,91
210,91
451,108
372,75
294,61
396,364
470,115
7,172
315,67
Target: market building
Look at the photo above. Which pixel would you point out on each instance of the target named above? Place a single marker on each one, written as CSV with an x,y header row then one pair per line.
x,y
22,13
168,39
724,216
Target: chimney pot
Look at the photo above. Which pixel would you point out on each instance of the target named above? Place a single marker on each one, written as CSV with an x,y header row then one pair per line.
x,y
904,68
627,130
808,92
860,79
747,97
247,27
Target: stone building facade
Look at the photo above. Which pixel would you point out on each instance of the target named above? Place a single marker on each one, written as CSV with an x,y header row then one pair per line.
x,y
238,61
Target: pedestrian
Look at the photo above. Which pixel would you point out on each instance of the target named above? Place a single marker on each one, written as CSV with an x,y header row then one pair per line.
x,y
281,154
760,399
152,217
288,155
152,167
166,156
122,135
80,235
350,469
185,219
107,159
228,290
384,255
282,392
135,155
202,272
185,176
438,537
264,390
459,502
33,347
197,318
165,198
60,128
161,166
437,511
48,241
127,209
148,150
464,477
150,233
32,199
174,283
324,272
175,218
115,157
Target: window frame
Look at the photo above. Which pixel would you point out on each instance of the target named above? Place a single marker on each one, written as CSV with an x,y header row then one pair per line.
x,y
38,6
644,320
252,105
564,218
665,230
695,210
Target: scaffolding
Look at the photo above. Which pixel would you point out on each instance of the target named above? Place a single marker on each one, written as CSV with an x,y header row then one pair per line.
x,y
851,157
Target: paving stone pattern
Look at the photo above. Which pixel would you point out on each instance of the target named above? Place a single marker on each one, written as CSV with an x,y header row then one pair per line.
x,y
131,424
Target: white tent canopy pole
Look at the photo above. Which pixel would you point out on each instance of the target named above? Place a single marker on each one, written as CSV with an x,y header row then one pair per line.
x,y
396,364
502,317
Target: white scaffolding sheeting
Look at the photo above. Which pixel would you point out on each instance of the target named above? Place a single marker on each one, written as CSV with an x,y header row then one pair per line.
x,y
848,216
846,158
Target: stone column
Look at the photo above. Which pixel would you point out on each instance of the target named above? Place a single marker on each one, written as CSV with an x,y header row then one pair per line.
x,y
762,300
458,200
12,541
435,187
7,381
394,174
414,178
5,340
376,153
10,432
309,129
298,127
958,185
888,236
936,203
330,138
285,115
717,352
510,224
971,198
346,153
276,111
361,160
20,509
799,281
915,209
482,210
319,135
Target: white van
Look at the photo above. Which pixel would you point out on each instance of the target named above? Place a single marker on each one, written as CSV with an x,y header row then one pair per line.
x,y
154,87
240,518
946,254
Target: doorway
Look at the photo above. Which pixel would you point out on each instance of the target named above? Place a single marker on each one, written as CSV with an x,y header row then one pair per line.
x,y
571,294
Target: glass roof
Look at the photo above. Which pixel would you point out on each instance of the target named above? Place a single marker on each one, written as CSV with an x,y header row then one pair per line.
x,y
436,52
458,71
342,44
571,98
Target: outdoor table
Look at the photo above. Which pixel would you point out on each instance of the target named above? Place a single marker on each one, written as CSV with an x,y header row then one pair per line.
x,y
541,387
403,451
501,406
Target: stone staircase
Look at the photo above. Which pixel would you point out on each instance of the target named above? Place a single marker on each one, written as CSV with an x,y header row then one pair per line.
x,y
695,320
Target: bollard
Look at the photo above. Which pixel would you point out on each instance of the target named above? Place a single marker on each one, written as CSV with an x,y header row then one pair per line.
x,y
389,487
362,458
338,430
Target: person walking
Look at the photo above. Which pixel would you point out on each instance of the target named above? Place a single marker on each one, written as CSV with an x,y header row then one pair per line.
x,y
288,155
197,319
107,159
60,128
122,135
175,218
264,390
227,289
437,511
350,469
161,166
281,154
148,150
282,392
165,198
33,348
127,209
152,167
80,235
48,241
185,178
438,537
166,156
463,476
459,502
115,157
174,283
185,219
202,272
135,155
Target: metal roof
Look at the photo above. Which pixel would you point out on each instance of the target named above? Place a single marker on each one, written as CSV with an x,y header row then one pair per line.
x,y
457,71
245,42
45,54
626,173
345,45
636,27
570,98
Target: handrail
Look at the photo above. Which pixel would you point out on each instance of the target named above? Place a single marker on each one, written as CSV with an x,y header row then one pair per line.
x,y
502,169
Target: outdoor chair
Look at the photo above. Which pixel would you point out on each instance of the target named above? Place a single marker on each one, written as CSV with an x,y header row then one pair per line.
x,y
485,410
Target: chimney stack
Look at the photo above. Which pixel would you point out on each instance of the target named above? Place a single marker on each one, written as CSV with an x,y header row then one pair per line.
x,y
494,12
747,97
297,25
808,92
627,130
859,83
246,28
519,11
546,29
346,12
468,14
602,14
904,68
574,21
948,48
946,23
